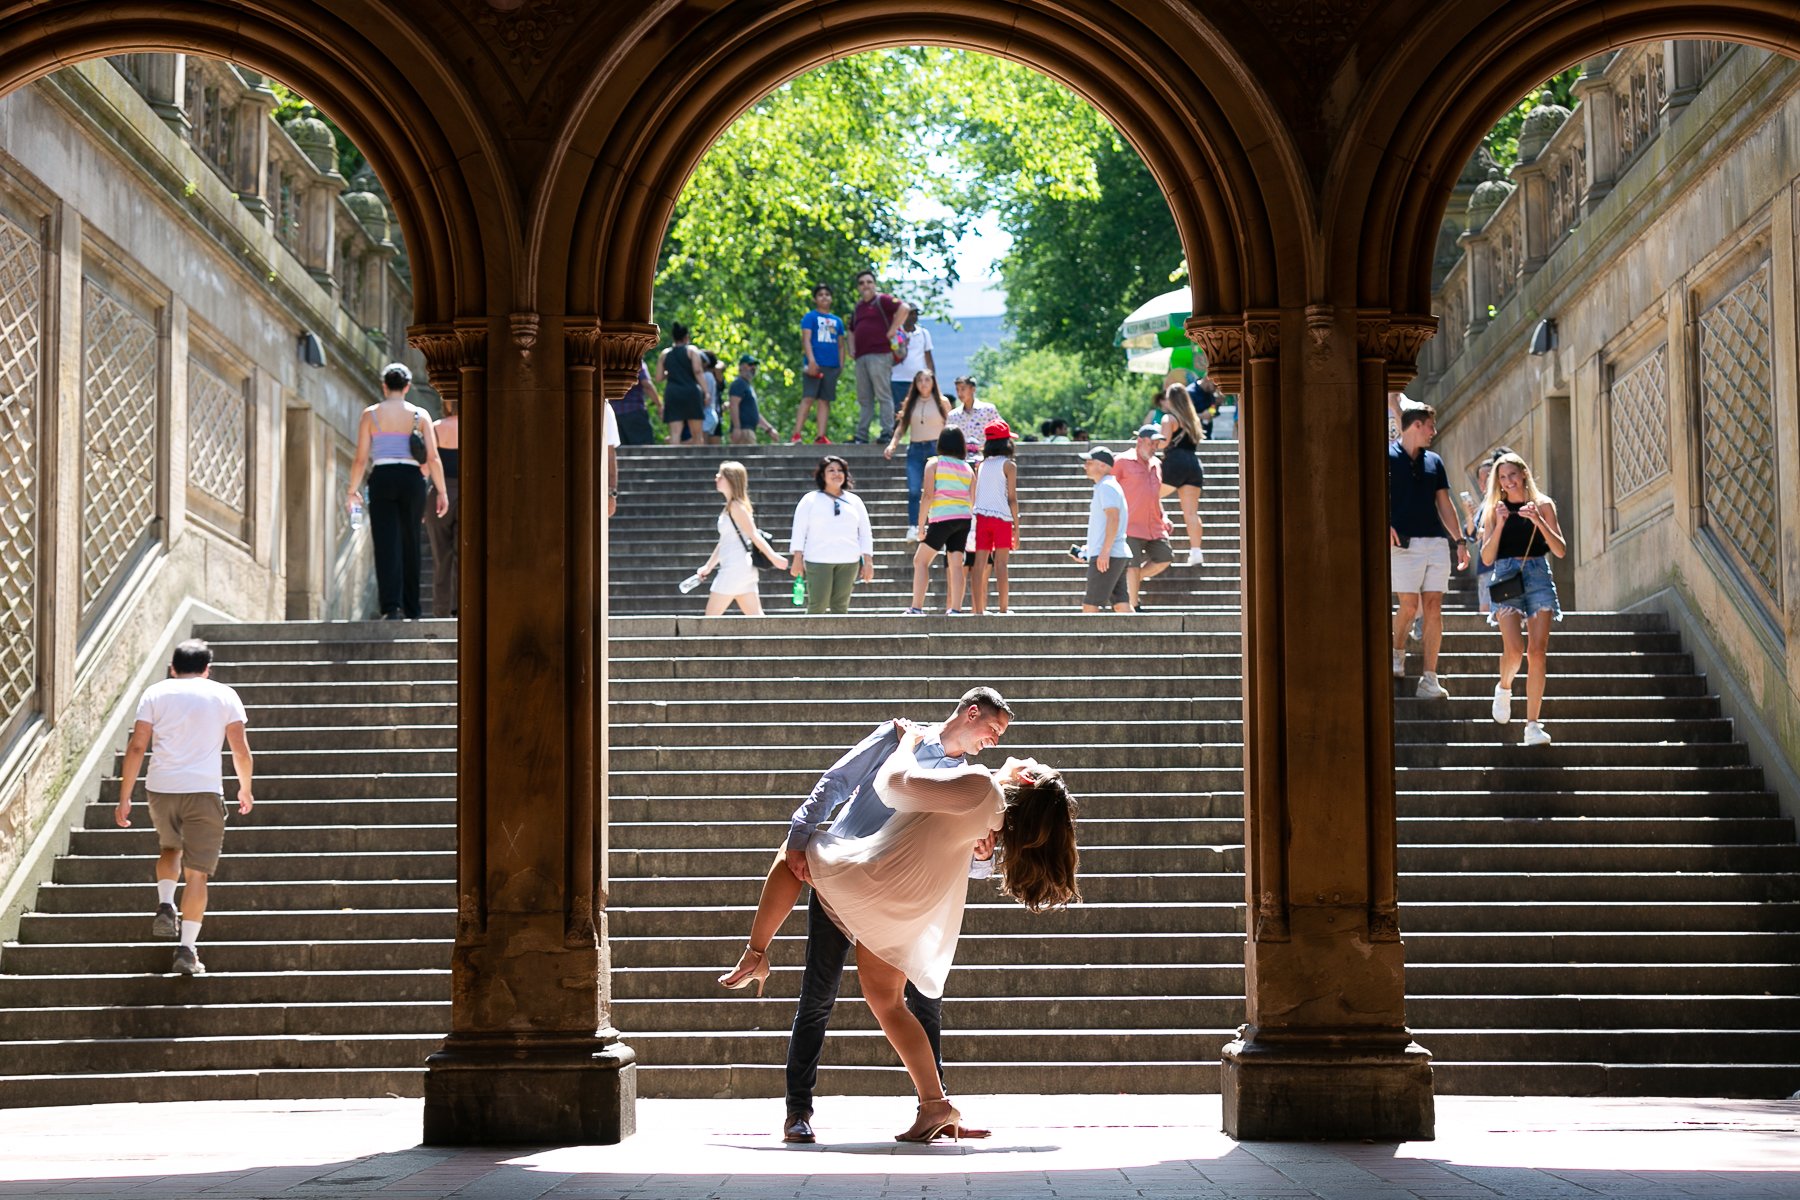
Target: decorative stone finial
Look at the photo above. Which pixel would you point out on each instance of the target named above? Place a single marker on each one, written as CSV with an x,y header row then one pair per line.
x,y
1487,200
1541,124
314,137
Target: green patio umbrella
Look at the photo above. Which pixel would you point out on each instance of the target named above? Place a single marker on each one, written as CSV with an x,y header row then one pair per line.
x,y
1154,337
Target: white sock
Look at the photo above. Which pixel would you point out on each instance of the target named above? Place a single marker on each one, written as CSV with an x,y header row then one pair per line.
x,y
190,933
165,891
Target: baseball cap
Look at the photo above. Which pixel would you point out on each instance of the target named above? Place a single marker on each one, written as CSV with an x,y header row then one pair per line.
x,y
1149,431
995,430
748,360
1098,454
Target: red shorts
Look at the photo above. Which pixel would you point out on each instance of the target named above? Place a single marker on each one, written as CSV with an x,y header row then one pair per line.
x,y
993,533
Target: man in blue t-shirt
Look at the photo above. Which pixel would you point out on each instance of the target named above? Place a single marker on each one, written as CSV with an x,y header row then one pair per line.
x,y
821,335
1421,530
1107,552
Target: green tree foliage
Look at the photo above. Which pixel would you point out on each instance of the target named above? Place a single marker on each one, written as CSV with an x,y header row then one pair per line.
x,y
1033,386
1092,236
1503,140
811,185
288,107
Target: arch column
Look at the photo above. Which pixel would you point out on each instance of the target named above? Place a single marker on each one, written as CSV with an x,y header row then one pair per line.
x,y
532,1056
1325,1051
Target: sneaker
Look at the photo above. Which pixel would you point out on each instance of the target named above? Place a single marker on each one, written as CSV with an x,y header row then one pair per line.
x,y
795,440
1502,705
1417,632
955,612
912,535
1430,689
187,962
821,440
913,612
1399,664
1535,734
1196,557
166,923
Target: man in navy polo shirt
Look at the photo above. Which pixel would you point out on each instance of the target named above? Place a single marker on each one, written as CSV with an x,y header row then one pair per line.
x,y
1422,528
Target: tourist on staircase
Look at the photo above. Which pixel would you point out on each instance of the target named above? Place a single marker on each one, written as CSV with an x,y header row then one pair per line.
x,y
1106,552
1139,476
1521,530
1182,474
918,358
972,416
923,414
897,891
996,514
440,528
744,408
182,722
632,410
1422,527
832,543
398,437
680,370
821,342
875,327
740,541
945,520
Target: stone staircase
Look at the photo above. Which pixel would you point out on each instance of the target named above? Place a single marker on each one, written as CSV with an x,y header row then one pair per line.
x,y
1618,913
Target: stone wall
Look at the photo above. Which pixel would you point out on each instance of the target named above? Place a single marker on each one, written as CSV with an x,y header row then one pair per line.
x,y
1663,420
163,247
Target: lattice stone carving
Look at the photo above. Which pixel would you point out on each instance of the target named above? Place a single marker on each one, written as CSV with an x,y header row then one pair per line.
x,y
118,435
1640,426
1737,427
21,310
218,441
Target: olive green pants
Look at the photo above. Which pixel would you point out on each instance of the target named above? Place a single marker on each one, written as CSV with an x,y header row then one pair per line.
x,y
828,587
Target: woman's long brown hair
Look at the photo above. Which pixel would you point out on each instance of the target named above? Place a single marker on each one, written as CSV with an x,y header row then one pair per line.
x,y
1039,857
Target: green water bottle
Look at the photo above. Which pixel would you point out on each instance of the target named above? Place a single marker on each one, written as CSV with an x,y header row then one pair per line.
x,y
799,590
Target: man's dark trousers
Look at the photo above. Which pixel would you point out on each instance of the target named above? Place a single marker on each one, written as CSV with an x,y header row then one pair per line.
x,y
827,950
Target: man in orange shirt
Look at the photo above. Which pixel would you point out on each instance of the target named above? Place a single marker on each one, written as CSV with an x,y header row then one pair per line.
x,y
1146,529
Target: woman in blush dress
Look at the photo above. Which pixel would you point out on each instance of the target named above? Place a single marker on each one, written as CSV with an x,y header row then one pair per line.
x,y
898,893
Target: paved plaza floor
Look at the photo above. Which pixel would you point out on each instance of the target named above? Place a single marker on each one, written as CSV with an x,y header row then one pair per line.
x,y
1044,1146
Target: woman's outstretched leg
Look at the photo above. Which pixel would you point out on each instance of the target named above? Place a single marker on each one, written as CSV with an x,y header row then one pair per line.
x,y
884,987
779,892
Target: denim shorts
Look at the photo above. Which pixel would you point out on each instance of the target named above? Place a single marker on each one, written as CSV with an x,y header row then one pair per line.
x,y
1540,588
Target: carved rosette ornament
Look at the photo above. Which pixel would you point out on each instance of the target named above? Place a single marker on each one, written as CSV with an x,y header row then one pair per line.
x,y
620,351
1262,335
1221,339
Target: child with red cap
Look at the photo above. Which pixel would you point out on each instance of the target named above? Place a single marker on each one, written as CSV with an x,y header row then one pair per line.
x,y
996,512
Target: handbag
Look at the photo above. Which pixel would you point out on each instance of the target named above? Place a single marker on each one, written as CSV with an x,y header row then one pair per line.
x,y
416,443
757,557
1504,591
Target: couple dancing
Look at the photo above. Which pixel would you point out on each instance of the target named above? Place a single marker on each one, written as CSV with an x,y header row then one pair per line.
x,y
890,876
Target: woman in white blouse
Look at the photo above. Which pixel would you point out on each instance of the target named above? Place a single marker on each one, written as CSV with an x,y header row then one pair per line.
x,y
832,543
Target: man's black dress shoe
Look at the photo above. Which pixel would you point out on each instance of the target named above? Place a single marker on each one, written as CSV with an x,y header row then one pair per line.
x,y
797,1128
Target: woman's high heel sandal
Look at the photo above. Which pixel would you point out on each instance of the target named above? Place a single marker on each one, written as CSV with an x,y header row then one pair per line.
x,y
752,967
944,1117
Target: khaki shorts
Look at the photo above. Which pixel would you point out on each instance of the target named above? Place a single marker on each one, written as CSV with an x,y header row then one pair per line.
x,y
193,823
1424,566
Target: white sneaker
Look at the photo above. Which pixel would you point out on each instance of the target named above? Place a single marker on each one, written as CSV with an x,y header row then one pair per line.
x,y
1196,557
1430,689
1502,705
912,535
1535,734
1399,664
1416,633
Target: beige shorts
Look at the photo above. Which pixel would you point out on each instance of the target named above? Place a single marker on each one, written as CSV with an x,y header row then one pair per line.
x,y
1424,566
193,823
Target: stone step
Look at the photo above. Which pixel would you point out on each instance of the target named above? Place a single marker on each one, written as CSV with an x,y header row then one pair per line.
x,y
912,690
226,894
284,1051
146,957
1750,1080
168,1086
775,810
409,865
236,652
228,1020
388,811
374,789
122,990
75,929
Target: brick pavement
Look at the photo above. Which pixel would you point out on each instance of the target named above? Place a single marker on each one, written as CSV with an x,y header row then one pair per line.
x,y
1060,1147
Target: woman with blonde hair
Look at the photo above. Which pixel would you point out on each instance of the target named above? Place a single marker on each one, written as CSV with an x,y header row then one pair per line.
x,y
737,574
1181,470
1518,529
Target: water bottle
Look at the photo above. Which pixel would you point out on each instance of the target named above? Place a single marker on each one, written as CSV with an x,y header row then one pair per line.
x,y
689,584
356,513
799,590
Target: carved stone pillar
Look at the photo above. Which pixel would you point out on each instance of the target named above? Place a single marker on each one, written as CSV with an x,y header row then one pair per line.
x,y
164,82
1479,278
1681,66
1533,182
531,1057
251,152
1325,1051
317,249
1594,95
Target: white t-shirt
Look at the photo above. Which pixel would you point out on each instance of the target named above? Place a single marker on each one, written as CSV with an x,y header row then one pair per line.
x,y
828,531
187,719
918,345
612,427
